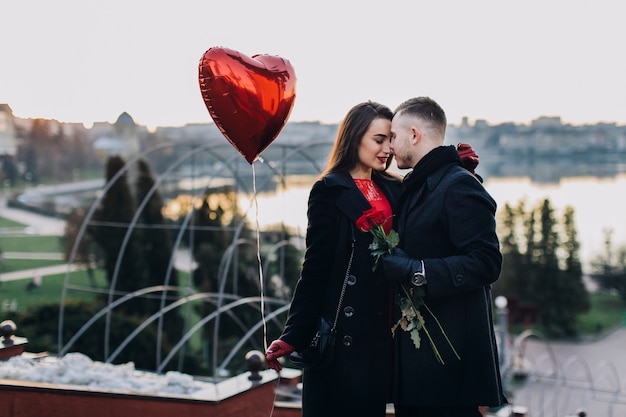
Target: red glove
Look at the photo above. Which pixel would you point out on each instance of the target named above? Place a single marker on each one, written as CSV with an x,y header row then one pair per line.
x,y
277,349
469,159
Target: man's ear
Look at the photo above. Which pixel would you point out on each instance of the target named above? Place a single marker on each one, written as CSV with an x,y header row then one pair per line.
x,y
416,135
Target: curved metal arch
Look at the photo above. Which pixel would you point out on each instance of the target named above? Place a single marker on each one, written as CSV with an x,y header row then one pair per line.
x,y
571,361
175,245
147,321
222,275
270,252
222,271
93,208
299,150
577,360
127,235
215,314
104,310
247,336
208,148
78,239
522,338
202,148
131,227
610,366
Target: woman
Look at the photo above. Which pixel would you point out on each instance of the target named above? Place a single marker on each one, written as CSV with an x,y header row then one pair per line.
x,y
354,181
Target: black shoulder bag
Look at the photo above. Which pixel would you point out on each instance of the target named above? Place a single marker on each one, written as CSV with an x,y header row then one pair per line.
x,y
321,351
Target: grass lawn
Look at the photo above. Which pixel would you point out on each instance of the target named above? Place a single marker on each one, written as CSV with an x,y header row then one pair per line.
x,y
607,312
10,265
31,244
4,222
18,296
25,243
17,293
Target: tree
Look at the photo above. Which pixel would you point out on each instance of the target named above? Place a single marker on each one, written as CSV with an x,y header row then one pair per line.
x,y
562,293
108,229
548,273
609,269
511,276
85,251
9,170
575,295
545,277
155,237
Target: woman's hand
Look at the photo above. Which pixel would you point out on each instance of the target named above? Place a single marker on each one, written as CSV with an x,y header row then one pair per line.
x,y
277,349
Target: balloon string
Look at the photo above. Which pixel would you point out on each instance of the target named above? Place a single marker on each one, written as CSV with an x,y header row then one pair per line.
x,y
258,257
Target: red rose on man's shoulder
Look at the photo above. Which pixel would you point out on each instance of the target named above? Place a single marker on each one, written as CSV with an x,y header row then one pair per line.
x,y
468,156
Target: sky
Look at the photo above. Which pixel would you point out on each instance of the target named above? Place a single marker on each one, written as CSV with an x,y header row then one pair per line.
x,y
496,60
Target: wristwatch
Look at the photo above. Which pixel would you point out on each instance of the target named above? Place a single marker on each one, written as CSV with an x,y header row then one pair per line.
x,y
419,276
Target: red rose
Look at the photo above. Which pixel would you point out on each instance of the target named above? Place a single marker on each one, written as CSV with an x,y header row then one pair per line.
x,y
363,223
370,218
468,156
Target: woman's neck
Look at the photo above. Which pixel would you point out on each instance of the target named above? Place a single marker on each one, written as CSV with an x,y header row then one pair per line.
x,y
360,173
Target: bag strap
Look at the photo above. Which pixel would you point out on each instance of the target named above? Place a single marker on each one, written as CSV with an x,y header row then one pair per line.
x,y
345,283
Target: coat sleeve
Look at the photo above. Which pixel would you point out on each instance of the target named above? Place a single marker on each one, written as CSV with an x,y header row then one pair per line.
x,y
469,220
321,242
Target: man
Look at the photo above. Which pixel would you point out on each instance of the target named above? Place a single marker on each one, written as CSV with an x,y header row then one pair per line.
x,y
449,250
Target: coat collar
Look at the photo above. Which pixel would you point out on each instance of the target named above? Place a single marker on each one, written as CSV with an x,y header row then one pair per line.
x,y
413,189
351,201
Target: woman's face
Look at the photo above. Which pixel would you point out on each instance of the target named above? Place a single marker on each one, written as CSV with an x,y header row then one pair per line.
x,y
373,150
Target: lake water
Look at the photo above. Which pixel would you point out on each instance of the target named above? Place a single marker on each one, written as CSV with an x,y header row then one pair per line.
x,y
599,203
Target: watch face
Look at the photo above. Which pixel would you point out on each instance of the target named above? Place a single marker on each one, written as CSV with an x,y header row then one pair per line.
x,y
419,279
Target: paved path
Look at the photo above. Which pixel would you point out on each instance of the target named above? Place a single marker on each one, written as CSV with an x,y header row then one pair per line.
x,y
36,223
564,377
41,272
50,226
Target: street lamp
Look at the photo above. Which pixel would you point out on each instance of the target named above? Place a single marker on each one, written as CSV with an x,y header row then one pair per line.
x,y
501,303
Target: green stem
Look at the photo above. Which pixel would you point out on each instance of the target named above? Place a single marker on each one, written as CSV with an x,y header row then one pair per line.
x,y
442,331
430,339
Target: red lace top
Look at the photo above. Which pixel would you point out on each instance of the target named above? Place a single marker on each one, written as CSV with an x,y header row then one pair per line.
x,y
377,199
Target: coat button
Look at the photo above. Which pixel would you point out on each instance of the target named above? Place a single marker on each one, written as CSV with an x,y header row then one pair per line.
x,y
459,278
348,311
351,279
347,340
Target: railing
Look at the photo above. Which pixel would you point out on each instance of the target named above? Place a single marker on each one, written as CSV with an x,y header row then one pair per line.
x,y
550,379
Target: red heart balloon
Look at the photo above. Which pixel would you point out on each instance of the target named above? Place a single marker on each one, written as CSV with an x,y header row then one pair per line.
x,y
249,99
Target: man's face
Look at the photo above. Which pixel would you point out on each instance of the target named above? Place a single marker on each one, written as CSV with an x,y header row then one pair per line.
x,y
401,141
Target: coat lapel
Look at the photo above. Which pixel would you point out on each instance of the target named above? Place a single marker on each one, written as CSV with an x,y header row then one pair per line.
x,y
351,201
414,191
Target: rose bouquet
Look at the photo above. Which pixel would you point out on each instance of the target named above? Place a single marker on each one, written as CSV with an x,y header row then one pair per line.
x,y
411,319
372,221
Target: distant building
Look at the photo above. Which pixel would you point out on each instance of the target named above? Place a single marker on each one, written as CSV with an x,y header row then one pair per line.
x,y
122,141
8,141
546,122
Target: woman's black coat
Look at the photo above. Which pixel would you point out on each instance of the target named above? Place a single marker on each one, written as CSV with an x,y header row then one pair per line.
x,y
357,381
447,219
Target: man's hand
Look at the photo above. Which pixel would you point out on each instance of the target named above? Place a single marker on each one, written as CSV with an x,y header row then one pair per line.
x,y
398,267
277,349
